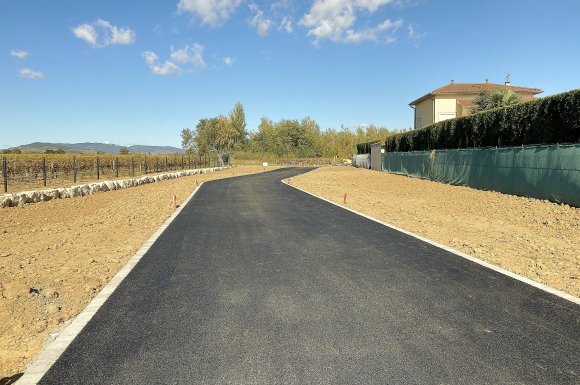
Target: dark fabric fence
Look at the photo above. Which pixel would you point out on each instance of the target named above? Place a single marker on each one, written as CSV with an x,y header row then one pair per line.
x,y
543,172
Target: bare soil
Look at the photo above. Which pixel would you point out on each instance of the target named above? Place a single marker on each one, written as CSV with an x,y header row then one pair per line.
x,y
56,256
533,238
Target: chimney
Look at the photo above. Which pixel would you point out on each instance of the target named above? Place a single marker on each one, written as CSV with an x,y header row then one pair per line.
x,y
452,81
507,80
486,80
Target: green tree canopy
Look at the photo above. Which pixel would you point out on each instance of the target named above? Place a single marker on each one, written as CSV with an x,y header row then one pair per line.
x,y
286,138
237,119
500,97
188,140
124,151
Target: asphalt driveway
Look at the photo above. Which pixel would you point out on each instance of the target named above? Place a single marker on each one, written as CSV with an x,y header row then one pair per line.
x,y
258,283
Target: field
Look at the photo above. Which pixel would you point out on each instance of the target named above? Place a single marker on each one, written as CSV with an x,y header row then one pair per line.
x,y
537,239
56,256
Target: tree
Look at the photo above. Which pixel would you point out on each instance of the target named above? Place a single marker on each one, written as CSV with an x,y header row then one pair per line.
x,y
57,151
123,151
500,97
237,119
188,140
14,150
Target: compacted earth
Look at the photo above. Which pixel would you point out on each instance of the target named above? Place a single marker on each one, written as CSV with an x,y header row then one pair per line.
x,y
533,238
56,256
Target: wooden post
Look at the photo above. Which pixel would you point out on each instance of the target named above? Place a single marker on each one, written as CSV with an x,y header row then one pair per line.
x,y
145,157
98,171
132,167
5,173
166,168
117,166
44,172
75,169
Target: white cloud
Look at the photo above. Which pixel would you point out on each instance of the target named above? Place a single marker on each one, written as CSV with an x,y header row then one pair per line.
x,y
101,33
87,33
259,22
286,25
167,68
335,20
229,61
190,55
19,53
211,12
27,73
374,34
116,35
415,35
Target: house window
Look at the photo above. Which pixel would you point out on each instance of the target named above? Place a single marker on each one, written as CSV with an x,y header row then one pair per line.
x,y
443,117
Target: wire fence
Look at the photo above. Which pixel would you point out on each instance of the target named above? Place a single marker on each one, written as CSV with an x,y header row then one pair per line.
x,y
22,172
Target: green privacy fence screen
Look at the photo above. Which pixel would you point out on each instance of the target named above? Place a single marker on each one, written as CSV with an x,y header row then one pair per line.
x,y
543,172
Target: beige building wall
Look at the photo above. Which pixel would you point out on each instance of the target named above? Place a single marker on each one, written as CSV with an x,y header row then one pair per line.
x,y
445,108
424,113
462,111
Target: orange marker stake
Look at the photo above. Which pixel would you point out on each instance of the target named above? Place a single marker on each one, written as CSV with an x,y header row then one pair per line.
x,y
345,194
174,202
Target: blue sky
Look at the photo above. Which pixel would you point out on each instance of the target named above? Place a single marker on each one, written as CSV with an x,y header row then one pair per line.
x,y
136,72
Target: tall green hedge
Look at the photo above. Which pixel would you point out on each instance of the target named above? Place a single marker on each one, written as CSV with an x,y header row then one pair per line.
x,y
550,120
363,148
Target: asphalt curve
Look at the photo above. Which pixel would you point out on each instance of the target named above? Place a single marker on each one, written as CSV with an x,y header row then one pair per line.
x,y
258,283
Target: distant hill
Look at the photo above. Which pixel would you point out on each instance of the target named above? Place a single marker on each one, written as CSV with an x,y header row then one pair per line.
x,y
76,148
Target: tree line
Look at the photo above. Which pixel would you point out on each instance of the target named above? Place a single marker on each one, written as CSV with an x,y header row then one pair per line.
x,y
287,138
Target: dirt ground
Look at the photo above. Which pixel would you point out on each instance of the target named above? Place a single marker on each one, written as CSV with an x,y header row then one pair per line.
x,y
56,256
534,238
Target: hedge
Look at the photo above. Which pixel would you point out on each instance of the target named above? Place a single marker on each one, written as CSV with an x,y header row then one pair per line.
x,y
550,120
363,148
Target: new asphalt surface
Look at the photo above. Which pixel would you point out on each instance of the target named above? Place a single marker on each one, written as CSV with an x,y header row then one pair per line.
x,y
258,283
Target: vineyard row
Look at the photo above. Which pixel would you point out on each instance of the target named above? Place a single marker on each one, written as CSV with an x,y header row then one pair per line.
x,y
29,171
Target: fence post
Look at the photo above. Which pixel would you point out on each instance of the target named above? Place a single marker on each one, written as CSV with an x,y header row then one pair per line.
x,y
166,165
5,173
117,166
132,167
182,166
145,157
74,169
98,171
44,172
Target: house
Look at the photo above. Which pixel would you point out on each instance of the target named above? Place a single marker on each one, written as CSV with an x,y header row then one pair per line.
x,y
456,99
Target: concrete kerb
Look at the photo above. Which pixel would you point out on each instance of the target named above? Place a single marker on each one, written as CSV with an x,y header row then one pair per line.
x,y
498,269
28,197
53,350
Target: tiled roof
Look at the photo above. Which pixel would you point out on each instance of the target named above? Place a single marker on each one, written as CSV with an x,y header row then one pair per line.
x,y
467,103
474,88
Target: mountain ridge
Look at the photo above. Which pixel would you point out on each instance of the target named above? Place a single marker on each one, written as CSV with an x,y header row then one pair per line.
x,y
96,147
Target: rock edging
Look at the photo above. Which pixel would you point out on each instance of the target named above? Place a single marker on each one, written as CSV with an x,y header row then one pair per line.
x,y
29,197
